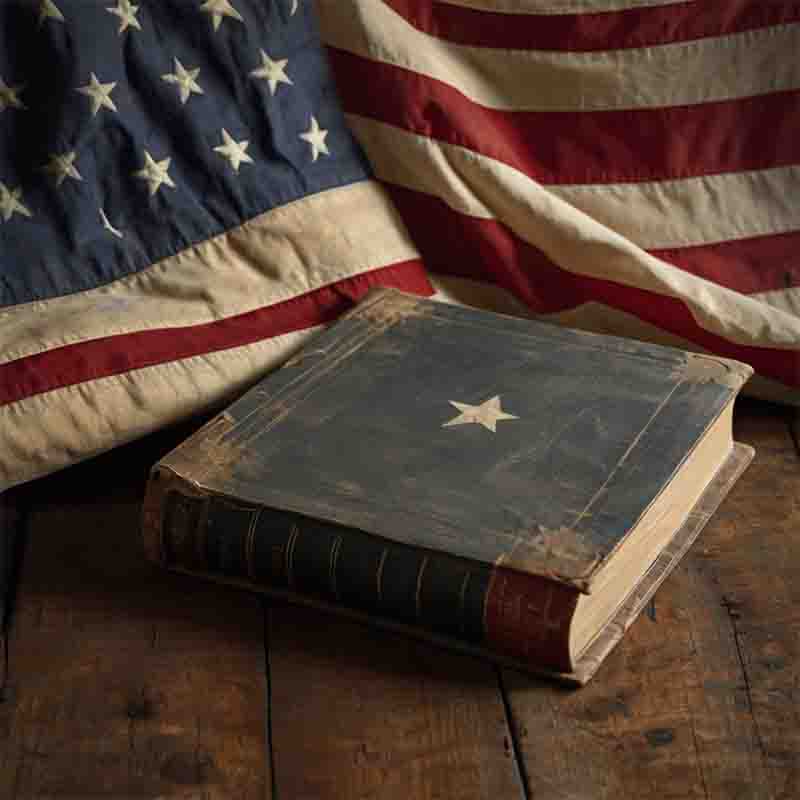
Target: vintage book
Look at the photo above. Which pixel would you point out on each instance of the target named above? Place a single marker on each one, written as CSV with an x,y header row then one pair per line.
x,y
503,485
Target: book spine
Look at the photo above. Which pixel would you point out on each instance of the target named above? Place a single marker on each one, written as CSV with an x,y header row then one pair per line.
x,y
519,616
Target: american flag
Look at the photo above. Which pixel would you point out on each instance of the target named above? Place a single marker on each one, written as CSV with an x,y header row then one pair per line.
x,y
626,166
181,205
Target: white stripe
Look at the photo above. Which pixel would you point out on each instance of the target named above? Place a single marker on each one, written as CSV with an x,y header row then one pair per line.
x,y
484,188
787,300
653,214
279,255
693,211
43,433
714,68
595,317
562,7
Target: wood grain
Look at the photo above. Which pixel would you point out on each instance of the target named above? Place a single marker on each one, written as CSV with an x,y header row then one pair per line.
x,y
700,699
758,572
361,713
126,682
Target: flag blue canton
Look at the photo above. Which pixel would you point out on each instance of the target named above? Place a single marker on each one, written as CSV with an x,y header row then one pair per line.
x,y
129,132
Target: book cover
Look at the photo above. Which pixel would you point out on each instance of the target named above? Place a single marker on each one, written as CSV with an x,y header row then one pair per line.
x,y
445,468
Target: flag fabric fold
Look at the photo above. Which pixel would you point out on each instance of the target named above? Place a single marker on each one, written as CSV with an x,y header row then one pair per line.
x,y
181,206
623,166
186,195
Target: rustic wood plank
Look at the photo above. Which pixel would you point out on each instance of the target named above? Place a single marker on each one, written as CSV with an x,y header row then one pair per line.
x,y
759,577
700,699
358,712
125,681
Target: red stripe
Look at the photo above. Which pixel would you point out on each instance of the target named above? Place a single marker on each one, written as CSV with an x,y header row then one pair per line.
x,y
560,147
609,30
115,355
455,244
757,264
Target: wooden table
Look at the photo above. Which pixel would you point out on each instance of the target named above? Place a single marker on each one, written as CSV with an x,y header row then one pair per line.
x,y
127,682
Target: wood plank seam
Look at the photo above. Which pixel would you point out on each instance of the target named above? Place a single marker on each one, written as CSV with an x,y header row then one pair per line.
x,y
730,610
513,733
269,738
697,749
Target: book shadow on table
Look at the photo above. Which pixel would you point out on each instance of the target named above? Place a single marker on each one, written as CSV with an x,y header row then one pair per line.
x,y
84,566
83,560
100,580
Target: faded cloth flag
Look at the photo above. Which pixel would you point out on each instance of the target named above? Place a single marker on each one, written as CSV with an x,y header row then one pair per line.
x,y
626,166
181,205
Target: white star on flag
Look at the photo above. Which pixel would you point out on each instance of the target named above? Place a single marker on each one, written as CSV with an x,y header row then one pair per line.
x,y
315,136
9,96
99,93
274,72
234,151
126,11
62,167
185,79
49,10
155,173
11,203
219,9
487,414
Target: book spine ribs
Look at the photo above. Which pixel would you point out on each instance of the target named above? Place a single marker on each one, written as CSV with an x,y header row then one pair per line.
x,y
515,614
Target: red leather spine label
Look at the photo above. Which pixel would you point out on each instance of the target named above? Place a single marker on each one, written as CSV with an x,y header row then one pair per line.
x,y
528,618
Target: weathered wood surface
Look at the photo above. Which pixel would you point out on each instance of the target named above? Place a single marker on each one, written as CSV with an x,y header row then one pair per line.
x,y
702,697
361,713
125,682
129,683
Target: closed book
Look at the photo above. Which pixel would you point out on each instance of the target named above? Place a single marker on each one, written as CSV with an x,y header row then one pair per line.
x,y
502,485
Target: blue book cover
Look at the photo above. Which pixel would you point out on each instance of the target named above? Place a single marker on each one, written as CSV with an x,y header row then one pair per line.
x,y
501,483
